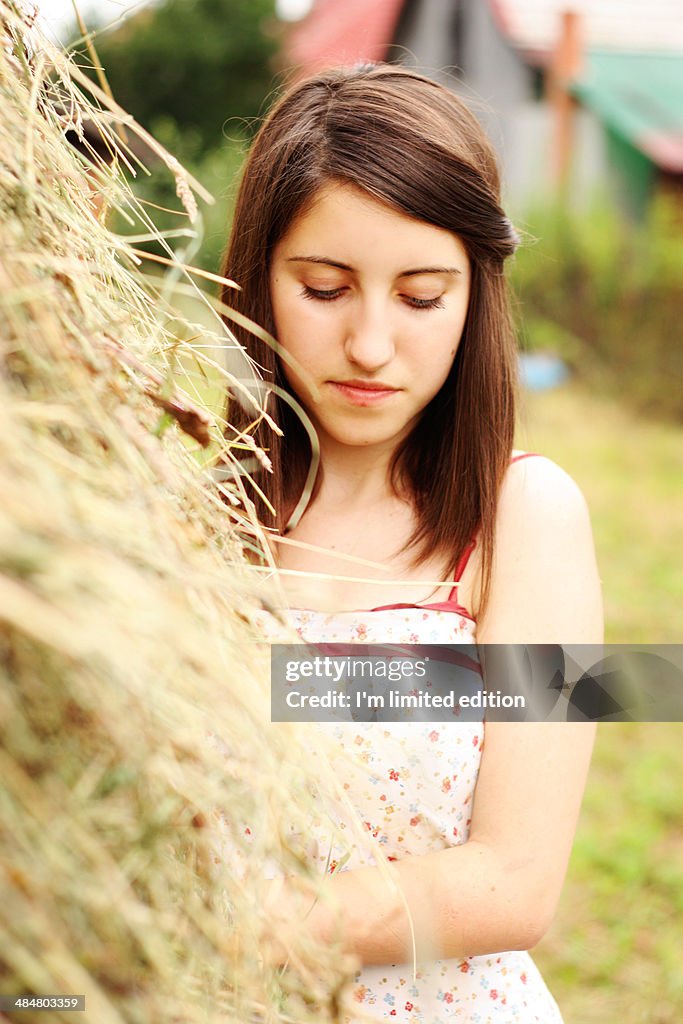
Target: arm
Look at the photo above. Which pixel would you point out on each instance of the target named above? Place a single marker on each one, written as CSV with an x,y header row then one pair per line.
x,y
497,891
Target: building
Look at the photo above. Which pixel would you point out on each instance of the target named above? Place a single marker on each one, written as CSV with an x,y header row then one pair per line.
x,y
582,100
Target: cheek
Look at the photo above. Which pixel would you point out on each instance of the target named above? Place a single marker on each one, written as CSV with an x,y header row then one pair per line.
x,y
299,372
455,336
291,321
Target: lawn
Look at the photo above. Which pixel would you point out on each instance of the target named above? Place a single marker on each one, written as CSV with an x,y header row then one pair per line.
x,y
614,951
631,472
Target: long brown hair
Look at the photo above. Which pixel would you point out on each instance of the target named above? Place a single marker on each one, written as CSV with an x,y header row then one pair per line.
x,y
411,143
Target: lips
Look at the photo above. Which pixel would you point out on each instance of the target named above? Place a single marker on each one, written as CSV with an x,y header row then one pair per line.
x,y
364,392
365,385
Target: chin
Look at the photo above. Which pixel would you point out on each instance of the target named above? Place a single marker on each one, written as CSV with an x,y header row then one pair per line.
x,y
363,436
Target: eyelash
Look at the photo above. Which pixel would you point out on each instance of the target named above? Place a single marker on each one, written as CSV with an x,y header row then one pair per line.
x,y
330,296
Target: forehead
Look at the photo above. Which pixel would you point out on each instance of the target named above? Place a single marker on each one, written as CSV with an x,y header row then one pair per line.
x,y
352,226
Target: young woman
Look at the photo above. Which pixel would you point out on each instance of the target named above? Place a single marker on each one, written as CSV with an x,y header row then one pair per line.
x,y
370,240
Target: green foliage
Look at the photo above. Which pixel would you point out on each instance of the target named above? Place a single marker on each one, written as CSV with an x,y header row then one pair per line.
x,y
607,297
199,62
195,73
217,169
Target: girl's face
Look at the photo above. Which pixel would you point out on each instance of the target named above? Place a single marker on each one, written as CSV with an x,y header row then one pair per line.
x,y
371,303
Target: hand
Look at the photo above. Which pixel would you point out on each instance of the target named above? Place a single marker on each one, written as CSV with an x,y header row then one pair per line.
x,y
295,913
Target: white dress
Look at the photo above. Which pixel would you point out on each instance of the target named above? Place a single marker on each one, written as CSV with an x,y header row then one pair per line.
x,y
412,785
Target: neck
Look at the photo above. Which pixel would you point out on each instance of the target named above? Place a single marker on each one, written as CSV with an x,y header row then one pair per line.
x,y
355,475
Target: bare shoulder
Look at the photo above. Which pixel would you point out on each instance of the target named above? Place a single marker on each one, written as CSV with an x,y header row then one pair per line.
x,y
537,492
545,586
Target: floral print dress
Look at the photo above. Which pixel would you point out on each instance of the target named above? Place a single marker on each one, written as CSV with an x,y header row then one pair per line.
x,y
412,785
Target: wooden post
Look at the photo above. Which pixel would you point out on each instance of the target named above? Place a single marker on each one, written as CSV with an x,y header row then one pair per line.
x,y
565,64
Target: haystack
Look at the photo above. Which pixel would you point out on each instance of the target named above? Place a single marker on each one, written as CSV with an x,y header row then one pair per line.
x,y
144,795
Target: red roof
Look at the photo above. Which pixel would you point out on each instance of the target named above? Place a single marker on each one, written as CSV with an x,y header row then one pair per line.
x,y
347,31
343,32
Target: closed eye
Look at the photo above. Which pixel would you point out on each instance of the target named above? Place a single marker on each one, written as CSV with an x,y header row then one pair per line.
x,y
325,296
329,295
416,303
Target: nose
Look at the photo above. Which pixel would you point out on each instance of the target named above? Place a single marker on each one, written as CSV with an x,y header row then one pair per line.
x,y
370,337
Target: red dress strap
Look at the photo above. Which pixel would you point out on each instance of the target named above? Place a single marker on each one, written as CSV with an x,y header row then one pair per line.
x,y
465,557
525,455
460,568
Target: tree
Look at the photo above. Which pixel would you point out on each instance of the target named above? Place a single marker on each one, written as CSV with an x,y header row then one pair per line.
x,y
199,62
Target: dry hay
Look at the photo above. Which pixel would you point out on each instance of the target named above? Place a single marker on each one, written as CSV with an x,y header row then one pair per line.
x,y
133,688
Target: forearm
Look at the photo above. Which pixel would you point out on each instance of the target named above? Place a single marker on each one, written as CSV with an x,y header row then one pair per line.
x,y
455,903
496,892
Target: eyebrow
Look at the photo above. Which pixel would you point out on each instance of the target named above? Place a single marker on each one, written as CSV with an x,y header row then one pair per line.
x,y
344,266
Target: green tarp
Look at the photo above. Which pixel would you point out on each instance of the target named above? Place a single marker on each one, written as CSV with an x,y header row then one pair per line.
x,y
640,98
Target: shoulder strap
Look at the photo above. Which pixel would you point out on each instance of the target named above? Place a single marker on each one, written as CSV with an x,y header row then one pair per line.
x,y
460,568
465,557
525,455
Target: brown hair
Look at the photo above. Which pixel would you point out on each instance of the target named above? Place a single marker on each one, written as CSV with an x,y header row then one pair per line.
x,y
411,143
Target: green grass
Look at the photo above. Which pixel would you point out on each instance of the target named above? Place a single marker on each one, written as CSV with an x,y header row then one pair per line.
x,y
614,951
631,472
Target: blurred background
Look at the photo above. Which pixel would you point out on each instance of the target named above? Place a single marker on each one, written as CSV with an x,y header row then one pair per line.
x,y
584,102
